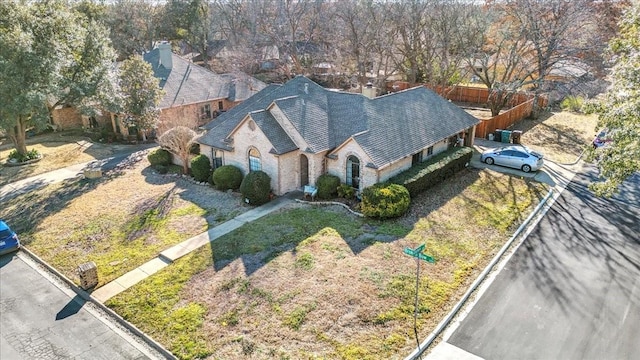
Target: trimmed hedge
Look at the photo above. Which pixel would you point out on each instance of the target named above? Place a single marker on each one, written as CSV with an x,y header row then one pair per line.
x,y
227,177
256,187
425,175
384,201
159,157
327,186
200,168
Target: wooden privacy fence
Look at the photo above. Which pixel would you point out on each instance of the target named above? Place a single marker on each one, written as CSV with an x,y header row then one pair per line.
x,y
475,95
521,104
504,120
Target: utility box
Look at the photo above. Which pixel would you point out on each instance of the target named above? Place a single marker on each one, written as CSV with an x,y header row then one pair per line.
x,y
92,173
88,273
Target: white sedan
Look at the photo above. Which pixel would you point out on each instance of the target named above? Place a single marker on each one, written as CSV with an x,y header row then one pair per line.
x,y
517,157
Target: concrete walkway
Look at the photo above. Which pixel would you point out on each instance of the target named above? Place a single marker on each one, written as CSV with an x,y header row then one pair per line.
x,y
175,252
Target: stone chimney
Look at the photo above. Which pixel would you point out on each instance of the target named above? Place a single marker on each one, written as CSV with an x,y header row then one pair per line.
x,y
165,55
369,91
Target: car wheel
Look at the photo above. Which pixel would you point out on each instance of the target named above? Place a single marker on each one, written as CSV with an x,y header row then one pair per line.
x,y
489,161
526,168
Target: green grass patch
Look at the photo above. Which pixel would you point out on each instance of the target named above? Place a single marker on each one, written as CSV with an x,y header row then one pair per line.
x,y
304,261
296,318
152,305
293,227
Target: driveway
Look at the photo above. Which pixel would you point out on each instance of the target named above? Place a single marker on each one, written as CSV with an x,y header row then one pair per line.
x,y
41,318
570,291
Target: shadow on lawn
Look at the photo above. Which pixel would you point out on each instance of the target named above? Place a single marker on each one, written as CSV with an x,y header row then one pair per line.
x,y
26,208
258,242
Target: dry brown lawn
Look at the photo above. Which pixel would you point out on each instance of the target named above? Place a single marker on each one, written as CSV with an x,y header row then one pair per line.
x,y
560,136
59,150
289,285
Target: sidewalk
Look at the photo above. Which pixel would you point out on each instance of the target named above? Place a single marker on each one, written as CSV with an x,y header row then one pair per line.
x,y
175,252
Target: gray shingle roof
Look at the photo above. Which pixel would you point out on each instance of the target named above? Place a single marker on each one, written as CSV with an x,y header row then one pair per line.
x,y
187,83
388,127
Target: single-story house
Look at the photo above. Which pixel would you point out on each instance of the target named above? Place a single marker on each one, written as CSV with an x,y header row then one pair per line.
x,y
298,131
191,91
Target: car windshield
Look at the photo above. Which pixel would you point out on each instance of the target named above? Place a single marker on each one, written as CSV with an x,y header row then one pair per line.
x,y
5,233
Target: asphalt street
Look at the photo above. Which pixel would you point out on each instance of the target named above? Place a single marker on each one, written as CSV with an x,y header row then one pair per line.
x,y
42,320
571,290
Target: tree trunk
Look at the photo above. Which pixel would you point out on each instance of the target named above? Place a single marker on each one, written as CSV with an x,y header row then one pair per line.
x,y
535,107
185,165
18,135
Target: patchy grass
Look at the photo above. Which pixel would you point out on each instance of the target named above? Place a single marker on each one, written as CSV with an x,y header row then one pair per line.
x,y
320,283
119,221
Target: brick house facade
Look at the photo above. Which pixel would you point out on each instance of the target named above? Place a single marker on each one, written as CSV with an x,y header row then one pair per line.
x,y
298,131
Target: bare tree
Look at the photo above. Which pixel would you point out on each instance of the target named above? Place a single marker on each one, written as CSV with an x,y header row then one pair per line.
x,y
178,141
548,26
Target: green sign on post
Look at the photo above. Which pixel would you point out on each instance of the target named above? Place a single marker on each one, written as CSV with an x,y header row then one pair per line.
x,y
417,253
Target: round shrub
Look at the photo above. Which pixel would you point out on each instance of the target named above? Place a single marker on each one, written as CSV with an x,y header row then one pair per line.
x,y
385,201
159,157
227,177
200,168
327,186
256,187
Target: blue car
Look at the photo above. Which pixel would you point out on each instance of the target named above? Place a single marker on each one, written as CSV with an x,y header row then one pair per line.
x,y
8,239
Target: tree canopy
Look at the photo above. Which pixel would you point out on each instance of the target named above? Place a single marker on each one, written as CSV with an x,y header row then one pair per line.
x,y
619,109
141,94
50,55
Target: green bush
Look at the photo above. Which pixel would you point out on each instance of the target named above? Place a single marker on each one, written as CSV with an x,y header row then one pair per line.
x,y
385,201
327,186
256,187
194,149
29,155
227,177
159,157
572,103
200,168
161,169
427,174
346,191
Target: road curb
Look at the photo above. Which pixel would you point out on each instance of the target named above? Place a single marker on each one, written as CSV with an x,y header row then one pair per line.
x,y
87,297
447,320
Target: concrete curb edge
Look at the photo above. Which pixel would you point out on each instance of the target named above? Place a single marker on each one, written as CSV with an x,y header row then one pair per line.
x,y
445,322
86,296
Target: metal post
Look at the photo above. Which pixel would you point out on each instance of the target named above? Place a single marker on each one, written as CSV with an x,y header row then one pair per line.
x,y
415,306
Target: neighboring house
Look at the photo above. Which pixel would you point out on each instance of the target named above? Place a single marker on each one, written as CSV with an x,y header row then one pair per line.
x,y
298,131
191,91
68,117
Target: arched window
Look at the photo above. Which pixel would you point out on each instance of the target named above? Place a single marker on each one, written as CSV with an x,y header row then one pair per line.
x,y
255,164
353,172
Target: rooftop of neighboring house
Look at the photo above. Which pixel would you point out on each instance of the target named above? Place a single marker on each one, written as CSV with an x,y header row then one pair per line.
x,y
388,128
187,83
